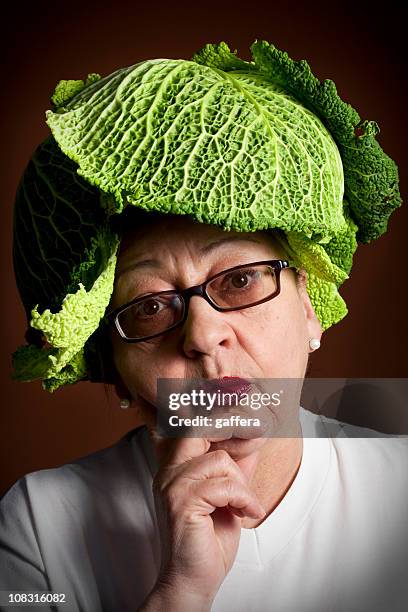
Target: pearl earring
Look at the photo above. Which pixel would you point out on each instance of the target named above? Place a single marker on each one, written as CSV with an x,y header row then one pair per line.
x,y
124,403
314,343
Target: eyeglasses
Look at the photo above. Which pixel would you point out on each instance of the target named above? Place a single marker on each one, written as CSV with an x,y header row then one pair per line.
x,y
237,288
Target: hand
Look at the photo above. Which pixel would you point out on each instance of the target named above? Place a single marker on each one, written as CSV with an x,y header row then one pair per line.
x,y
200,498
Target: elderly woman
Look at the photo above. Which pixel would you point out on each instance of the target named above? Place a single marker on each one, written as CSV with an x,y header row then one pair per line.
x,y
256,181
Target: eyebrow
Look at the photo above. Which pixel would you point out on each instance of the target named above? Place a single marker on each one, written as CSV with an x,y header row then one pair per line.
x,y
206,250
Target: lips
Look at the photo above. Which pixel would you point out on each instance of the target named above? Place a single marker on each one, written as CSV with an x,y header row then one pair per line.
x,y
229,384
235,384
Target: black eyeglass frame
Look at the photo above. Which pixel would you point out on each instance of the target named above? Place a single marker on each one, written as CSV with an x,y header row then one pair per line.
x,y
277,264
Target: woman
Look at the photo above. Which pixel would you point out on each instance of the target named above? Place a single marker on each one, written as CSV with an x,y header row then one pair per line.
x,y
307,519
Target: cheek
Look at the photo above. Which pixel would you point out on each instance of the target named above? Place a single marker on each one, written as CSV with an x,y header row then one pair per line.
x,y
140,365
276,337
131,365
295,337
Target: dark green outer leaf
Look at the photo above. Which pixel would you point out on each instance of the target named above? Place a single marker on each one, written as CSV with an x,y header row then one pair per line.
x,y
57,226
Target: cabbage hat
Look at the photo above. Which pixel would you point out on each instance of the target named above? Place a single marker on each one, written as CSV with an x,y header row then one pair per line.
x,y
245,145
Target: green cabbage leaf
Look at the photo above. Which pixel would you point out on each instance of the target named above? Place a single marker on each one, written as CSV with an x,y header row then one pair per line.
x,y
64,258
231,148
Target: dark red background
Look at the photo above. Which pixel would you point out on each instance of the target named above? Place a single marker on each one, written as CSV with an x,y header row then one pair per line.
x,y
359,47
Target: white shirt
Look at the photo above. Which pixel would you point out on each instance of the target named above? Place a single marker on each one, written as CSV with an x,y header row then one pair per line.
x,y
337,542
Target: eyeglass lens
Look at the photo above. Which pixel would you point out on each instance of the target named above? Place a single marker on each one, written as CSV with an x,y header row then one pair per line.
x,y
234,289
242,287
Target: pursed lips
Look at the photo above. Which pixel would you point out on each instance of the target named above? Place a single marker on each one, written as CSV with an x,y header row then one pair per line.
x,y
227,384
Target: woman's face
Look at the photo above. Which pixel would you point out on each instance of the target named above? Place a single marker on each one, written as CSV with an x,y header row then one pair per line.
x,y
270,340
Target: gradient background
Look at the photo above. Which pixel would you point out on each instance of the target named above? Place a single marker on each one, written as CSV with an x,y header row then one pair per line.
x,y
361,49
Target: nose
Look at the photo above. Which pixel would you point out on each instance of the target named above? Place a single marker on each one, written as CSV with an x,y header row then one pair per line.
x,y
205,329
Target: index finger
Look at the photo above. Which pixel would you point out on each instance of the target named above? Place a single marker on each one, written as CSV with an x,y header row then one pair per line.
x,y
177,451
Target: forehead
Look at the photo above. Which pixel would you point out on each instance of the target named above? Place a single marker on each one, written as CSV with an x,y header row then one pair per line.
x,y
153,233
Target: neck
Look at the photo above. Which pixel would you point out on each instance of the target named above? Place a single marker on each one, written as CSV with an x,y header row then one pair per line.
x,y
278,463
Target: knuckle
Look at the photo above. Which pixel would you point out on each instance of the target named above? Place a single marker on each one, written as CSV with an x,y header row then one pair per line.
x,y
221,456
230,485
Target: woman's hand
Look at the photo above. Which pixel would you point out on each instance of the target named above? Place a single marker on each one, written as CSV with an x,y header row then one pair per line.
x,y
200,498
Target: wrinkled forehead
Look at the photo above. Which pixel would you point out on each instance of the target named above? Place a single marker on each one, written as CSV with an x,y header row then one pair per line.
x,y
143,232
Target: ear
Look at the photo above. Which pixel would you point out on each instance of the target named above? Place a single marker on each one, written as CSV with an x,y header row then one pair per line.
x,y
314,329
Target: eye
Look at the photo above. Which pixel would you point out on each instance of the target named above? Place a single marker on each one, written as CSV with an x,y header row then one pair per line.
x,y
240,279
148,307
